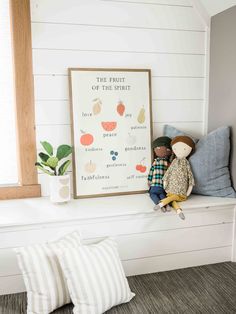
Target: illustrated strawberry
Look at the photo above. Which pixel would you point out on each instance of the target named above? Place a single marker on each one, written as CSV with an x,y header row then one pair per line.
x,y
120,108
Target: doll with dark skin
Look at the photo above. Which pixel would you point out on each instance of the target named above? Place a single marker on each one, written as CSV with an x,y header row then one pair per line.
x,y
162,154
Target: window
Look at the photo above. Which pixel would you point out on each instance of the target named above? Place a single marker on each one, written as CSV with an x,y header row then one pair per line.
x,y
22,139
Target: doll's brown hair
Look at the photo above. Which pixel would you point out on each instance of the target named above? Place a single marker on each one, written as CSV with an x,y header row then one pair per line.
x,y
184,139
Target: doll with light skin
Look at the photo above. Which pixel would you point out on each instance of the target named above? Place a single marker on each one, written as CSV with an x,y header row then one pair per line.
x,y
178,180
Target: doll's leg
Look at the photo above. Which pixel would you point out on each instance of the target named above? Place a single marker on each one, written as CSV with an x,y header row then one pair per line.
x,y
169,199
162,193
175,204
178,209
172,199
155,198
164,202
159,191
153,192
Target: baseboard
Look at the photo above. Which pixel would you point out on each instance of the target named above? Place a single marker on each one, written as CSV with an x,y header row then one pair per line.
x,y
176,261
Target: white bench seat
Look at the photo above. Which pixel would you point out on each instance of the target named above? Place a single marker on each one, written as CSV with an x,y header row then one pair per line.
x,y
148,241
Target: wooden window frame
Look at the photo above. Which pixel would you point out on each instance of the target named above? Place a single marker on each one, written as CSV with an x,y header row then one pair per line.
x,y
24,104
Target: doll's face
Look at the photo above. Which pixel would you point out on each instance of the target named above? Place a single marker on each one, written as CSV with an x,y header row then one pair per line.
x,y
162,151
181,150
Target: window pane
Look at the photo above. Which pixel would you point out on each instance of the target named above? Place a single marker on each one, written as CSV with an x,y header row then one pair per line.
x,y
8,158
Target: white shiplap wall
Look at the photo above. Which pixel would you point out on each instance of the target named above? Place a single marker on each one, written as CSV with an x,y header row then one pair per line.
x,y
167,36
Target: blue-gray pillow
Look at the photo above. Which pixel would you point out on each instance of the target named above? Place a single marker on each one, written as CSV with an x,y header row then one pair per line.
x,y
210,162
173,132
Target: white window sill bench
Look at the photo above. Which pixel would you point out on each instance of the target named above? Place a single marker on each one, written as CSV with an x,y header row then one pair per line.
x,y
148,241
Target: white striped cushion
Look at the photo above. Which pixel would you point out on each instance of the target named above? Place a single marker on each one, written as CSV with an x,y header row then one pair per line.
x,y
95,277
44,280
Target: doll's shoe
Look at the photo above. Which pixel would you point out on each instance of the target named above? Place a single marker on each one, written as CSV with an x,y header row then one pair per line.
x,y
168,208
157,207
163,209
181,215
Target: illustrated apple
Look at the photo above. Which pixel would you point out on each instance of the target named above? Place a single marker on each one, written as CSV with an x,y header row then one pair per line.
x,y
86,139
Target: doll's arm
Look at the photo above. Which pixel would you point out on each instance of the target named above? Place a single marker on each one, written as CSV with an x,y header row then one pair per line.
x,y
189,191
166,178
190,180
164,184
150,175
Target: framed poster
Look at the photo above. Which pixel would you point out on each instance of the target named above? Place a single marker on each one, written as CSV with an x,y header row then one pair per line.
x,y
111,130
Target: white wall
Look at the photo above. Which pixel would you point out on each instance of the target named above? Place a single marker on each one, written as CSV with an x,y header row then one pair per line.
x,y
214,7
167,36
222,92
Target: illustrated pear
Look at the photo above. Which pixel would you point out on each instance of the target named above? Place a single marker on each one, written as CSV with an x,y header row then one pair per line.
x,y
97,106
90,167
141,116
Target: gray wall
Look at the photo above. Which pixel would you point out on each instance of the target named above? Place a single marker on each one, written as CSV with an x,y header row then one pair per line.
x,y
222,92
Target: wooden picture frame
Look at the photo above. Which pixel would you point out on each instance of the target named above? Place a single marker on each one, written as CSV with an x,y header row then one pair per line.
x,y
111,130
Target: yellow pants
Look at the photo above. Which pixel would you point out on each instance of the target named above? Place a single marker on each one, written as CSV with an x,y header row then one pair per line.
x,y
174,199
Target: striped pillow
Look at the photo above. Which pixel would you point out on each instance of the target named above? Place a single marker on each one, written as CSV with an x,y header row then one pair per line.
x,y
44,280
95,277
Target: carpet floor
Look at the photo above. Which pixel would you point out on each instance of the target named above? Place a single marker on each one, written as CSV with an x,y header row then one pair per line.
x,y
203,289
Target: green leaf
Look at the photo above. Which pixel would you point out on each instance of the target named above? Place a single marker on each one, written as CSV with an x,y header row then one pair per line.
x,y
64,167
52,162
44,163
40,167
63,151
48,147
43,157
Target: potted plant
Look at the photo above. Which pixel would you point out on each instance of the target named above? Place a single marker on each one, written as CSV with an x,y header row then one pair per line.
x,y
55,166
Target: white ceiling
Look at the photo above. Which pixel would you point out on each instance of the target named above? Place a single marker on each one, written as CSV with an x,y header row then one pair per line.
x,y
216,6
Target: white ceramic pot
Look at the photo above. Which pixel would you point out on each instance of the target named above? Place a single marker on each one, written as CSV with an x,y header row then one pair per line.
x,y
59,188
